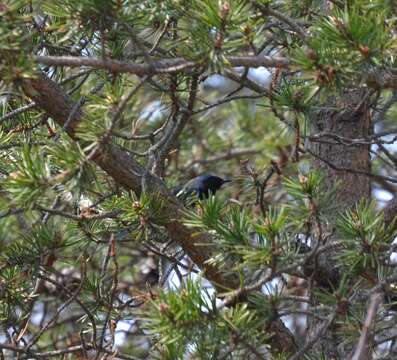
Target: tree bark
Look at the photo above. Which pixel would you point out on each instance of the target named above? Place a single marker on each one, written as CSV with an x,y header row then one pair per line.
x,y
345,167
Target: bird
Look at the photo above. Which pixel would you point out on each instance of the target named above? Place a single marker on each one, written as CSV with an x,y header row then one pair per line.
x,y
201,186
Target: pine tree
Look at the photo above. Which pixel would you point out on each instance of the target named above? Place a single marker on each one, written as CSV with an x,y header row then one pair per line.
x,y
107,105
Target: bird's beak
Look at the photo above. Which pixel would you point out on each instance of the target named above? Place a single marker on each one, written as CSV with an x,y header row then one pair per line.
x,y
227,181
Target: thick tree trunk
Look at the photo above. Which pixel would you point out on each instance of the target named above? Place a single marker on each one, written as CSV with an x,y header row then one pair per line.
x,y
346,167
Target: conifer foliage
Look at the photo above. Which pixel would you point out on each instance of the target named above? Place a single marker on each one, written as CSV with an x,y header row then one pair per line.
x,y
107,105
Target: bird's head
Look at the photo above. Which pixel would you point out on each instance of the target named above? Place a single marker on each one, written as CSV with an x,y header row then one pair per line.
x,y
212,183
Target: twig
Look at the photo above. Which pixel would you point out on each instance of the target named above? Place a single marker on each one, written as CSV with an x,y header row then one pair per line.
x,y
267,10
160,36
58,312
273,169
43,355
363,346
57,353
228,155
18,111
226,100
160,150
380,114
319,333
124,103
250,84
11,212
360,172
82,217
111,254
78,301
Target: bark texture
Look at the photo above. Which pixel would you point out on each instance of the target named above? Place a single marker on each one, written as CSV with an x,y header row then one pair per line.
x,y
344,164
346,167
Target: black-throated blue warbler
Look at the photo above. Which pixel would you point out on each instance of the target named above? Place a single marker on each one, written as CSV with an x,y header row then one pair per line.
x,y
201,186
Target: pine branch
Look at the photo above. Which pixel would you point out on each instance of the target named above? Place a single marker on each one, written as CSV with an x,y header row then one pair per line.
x,y
126,171
164,66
